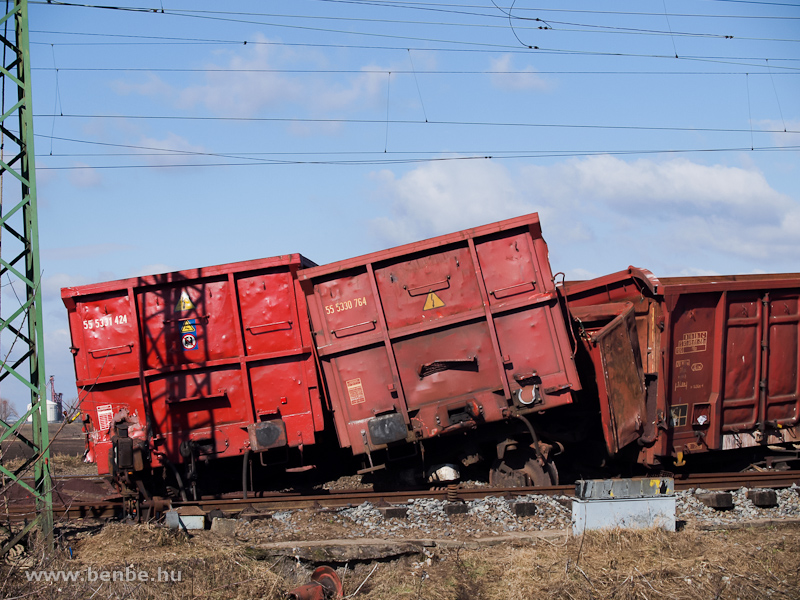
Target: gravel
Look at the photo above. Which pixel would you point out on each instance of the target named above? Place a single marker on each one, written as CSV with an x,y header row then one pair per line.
x,y
492,516
691,510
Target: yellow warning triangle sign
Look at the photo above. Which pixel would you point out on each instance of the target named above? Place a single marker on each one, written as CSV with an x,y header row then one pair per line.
x,y
432,301
188,327
184,303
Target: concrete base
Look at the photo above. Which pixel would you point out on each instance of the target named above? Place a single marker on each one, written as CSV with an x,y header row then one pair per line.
x,y
223,527
632,513
175,519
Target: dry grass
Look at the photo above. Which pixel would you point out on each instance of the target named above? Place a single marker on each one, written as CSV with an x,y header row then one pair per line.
x,y
60,464
71,464
742,564
655,564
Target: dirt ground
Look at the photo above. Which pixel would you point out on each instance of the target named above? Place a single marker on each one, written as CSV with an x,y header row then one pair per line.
x,y
60,464
748,563
67,439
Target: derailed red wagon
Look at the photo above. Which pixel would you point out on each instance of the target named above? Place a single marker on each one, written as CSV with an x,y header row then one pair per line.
x,y
441,337
708,364
451,352
177,369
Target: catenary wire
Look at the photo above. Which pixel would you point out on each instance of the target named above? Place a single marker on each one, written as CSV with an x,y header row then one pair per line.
x,y
208,16
425,160
158,151
500,49
394,71
410,122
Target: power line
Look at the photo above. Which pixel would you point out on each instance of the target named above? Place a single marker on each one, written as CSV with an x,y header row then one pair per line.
x,y
587,26
160,151
391,161
410,122
405,4
497,49
214,15
254,155
439,7
408,4
385,71
786,4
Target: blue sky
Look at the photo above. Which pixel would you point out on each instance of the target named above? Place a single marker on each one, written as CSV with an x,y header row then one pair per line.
x,y
165,142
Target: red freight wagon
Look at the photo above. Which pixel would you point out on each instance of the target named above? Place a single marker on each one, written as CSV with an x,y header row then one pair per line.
x,y
722,354
441,335
198,364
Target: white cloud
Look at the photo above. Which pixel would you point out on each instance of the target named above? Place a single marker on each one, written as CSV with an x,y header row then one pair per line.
x,y
153,86
440,197
522,79
246,82
154,269
674,187
783,137
245,92
718,208
84,176
603,213
52,284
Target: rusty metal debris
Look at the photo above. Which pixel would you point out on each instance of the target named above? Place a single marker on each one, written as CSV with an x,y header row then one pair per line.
x,y
325,584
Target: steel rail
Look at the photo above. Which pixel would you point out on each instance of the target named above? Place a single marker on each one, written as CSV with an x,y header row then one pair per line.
x,y
265,501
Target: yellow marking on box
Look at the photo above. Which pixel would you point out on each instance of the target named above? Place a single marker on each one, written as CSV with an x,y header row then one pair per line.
x,y
185,302
433,301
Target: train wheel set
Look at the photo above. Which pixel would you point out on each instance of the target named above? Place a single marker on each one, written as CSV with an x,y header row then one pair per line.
x,y
427,362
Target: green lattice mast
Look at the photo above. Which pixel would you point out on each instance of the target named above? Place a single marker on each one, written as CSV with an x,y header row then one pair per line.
x,y
21,330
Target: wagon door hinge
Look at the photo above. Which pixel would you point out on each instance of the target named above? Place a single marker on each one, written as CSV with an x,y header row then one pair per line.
x,y
661,421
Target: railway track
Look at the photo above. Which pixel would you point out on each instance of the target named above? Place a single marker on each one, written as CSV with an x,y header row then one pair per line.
x,y
112,507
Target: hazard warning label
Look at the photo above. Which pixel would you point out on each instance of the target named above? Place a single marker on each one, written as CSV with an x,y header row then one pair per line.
x,y
189,341
355,391
185,302
104,415
432,301
188,326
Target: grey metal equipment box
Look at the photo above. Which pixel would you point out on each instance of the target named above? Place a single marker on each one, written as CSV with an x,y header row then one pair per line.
x,y
642,487
624,504
185,518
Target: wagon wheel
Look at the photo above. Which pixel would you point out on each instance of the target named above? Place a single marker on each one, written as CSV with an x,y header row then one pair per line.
x,y
541,476
502,474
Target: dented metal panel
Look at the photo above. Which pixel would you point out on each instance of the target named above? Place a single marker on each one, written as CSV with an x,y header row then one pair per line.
x,y
609,334
728,375
443,333
218,358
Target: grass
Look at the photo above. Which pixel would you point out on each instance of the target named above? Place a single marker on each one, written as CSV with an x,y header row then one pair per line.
x,y
60,464
743,564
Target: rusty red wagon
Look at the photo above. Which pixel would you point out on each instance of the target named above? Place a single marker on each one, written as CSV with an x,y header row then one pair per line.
x,y
441,336
717,361
195,365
